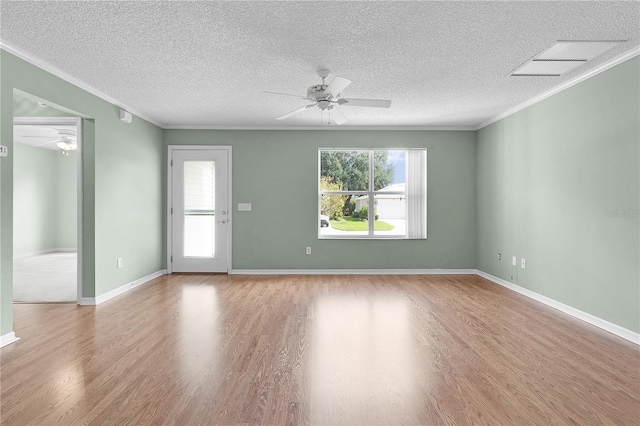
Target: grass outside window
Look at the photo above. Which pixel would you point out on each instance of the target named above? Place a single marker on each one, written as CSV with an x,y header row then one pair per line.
x,y
355,224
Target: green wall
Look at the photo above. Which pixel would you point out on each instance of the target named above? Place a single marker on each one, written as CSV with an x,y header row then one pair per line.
x,y
66,199
44,199
558,184
123,183
277,171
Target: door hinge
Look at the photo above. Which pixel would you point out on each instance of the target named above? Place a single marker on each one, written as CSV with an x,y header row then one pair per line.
x,y
171,210
171,258
171,163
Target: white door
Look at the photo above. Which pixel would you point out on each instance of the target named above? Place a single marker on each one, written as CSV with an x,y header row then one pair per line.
x,y
199,210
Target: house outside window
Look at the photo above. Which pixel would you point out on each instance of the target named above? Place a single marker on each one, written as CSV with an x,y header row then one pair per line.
x,y
372,193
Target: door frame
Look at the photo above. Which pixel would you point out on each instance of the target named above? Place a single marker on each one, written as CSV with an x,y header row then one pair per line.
x,y
171,149
77,121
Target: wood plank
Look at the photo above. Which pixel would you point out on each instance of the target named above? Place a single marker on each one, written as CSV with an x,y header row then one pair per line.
x,y
377,349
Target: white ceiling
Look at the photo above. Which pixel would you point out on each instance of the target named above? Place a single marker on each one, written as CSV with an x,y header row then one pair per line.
x,y
40,136
203,64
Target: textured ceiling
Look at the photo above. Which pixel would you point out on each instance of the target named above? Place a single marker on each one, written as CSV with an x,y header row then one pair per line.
x,y
188,64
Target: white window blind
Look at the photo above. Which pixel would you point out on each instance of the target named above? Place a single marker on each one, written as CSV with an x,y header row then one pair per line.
x,y
417,193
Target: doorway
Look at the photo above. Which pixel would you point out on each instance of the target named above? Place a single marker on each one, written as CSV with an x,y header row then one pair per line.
x,y
47,196
199,218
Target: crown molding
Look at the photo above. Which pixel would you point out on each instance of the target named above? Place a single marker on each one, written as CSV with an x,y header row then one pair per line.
x,y
601,68
84,86
327,127
72,80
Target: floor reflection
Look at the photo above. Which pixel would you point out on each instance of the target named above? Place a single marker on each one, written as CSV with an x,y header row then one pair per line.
x,y
199,333
362,359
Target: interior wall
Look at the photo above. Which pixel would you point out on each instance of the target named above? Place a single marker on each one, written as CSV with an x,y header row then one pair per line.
x,y
45,200
558,185
66,179
35,199
277,172
123,185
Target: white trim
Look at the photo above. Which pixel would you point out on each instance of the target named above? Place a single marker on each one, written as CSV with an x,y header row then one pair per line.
x,y
169,207
230,205
576,313
7,339
45,66
51,250
77,121
601,68
45,121
122,289
325,127
78,83
353,272
79,208
229,150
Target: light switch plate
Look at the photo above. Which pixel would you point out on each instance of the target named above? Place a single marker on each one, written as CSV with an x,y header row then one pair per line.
x,y
244,207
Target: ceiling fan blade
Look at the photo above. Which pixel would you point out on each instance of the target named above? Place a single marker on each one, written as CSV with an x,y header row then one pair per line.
x,y
299,110
376,103
337,116
337,85
284,94
50,141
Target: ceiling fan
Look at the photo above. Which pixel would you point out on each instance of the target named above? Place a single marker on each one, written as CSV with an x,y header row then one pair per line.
x,y
327,98
68,141
65,139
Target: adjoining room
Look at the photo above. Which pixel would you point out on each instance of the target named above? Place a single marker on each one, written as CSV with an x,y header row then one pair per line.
x,y
45,211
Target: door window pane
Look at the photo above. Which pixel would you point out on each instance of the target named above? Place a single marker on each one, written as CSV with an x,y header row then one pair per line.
x,y
199,208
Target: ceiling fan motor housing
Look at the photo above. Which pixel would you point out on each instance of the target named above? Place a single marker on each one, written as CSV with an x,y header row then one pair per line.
x,y
317,91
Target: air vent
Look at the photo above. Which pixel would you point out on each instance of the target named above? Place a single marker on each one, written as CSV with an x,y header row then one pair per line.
x,y
562,57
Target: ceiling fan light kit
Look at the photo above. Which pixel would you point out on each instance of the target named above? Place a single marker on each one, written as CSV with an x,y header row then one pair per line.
x,y
67,142
327,98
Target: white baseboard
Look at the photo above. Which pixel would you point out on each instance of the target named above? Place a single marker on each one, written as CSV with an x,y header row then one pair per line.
x,y
7,339
352,271
35,253
122,289
576,313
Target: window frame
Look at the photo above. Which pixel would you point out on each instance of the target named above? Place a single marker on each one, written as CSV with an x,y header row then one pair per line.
x,y
370,192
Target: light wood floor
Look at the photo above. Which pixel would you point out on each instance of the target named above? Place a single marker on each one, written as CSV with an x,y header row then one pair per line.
x,y
217,349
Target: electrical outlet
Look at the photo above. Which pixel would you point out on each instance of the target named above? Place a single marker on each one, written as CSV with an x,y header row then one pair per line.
x,y
523,263
499,256
119,262
3,151
308,250
514,261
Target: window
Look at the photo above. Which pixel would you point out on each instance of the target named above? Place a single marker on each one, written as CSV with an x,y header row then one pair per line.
x,y
372,193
